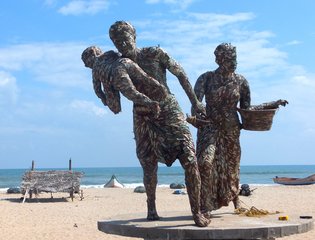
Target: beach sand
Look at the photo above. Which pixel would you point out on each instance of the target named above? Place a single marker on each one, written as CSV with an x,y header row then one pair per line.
x,y
60,218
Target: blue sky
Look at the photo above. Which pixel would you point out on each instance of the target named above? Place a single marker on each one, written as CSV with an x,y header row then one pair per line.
x,y
49,112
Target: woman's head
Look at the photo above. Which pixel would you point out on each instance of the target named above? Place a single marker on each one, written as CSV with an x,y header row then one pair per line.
x,y
123,35
225,56
89,55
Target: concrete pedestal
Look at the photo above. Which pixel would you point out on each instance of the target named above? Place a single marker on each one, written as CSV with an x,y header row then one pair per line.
x,y
179,225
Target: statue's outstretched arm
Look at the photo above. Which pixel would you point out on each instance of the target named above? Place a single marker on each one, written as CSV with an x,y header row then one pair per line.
x,y
177,70
269,105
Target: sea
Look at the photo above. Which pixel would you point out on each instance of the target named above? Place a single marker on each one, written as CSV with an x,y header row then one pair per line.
x,y
132,177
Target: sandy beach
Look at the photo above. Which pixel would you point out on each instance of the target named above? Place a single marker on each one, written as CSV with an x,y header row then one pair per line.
x,y
60,218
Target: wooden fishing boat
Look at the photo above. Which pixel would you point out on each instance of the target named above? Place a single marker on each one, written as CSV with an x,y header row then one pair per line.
x,y
113,183
295,181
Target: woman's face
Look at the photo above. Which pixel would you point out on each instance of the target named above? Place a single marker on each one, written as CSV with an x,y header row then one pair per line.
x,y
230,65
229,62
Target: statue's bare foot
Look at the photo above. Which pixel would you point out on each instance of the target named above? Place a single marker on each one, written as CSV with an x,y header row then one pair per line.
x,y
200,220
207,214
153,216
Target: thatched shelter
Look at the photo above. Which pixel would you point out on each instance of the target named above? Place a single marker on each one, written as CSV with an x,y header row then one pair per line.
x,y
51,182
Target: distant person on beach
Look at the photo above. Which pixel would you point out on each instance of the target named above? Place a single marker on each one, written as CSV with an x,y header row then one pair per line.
x,y
218,146
159,126
172,139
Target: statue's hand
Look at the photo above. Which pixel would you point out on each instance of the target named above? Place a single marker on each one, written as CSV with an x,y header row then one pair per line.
x,y
199,109
282,102
155,109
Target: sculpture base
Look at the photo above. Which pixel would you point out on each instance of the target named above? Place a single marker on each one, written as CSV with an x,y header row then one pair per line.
x,y
179,225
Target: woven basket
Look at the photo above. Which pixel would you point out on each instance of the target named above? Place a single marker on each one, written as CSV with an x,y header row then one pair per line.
x,y
257,120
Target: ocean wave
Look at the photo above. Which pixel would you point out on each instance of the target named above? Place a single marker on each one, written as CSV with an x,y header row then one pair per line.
x,y
3,189
260,185
127,185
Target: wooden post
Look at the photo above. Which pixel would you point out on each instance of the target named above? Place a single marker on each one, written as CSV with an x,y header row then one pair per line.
x,y
26,192
70,167
33,165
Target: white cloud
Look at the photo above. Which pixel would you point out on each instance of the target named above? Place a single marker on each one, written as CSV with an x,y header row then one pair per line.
x,y
78,7
15,57
58,64
192,28
304,80
8,89
257,58
221,19
192,40
301,87
88,107
152,1
179,4
30,128
294,42
49,2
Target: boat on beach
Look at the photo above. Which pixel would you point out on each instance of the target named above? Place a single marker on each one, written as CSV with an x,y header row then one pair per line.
x,y
295,181
113,183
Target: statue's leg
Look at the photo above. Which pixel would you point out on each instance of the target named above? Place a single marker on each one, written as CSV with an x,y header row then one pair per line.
x,y
206,154
193,184
150,167
205,204
235,156
236,202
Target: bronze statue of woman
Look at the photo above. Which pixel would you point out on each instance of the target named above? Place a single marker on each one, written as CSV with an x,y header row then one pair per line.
x,y
218,145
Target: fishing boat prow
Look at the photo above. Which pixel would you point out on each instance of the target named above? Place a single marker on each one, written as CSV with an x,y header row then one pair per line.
x,y
113,183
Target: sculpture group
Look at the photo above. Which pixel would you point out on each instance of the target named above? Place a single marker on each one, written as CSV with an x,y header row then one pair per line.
x,y
160,127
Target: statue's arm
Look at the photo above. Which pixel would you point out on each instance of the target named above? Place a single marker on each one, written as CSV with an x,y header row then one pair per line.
x,y
199,90
122,82
244,93
269,105
137,74
177,70
97,86
199,87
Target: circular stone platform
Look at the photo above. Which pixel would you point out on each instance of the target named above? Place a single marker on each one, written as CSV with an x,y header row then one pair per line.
x,y
226,225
